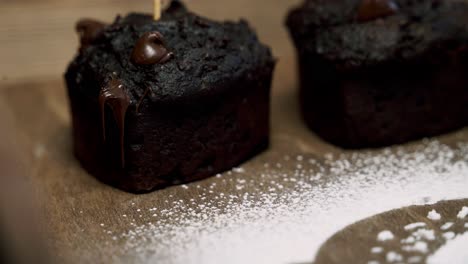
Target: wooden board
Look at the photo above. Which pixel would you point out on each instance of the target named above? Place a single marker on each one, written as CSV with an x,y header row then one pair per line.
x,y
79,211
80,216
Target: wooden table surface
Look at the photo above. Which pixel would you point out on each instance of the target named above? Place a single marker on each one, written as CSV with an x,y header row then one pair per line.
x,y
37,41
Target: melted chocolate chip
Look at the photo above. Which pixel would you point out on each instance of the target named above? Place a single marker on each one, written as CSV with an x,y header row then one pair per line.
x,y
374,9
88,29
114,95
150,49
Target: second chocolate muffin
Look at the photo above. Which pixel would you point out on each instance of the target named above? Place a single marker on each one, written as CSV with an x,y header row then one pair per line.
x,y
382,72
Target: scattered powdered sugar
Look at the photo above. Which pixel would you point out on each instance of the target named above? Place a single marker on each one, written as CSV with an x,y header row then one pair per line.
x,y
376,250
448,235
433,215
463,212
385,235
453,252
414,225
238,170
446,226
419,246
408,240
425,234
415,259
294,206
393,257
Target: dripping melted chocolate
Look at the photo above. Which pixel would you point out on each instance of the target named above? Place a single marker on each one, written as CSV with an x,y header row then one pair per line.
x,y
114,95
150,49
88,29
374,9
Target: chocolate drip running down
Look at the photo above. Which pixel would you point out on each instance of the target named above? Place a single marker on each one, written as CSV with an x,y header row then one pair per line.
x,y
373,9
88,29
151,49
114,95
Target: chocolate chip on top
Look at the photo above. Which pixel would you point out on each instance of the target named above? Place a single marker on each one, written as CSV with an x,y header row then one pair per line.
x,y
150,49
373,9
88,29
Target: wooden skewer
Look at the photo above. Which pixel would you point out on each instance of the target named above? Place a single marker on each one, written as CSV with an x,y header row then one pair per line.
x,y
157,9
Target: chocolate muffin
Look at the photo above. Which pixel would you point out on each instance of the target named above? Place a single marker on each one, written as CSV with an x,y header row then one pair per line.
x,y
157,103
381,72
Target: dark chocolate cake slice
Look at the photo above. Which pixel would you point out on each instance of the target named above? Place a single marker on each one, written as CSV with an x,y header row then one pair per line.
x,y
157,103
381,72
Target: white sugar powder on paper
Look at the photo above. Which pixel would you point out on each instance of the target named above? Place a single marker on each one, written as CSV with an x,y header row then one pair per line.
x,y
433,215
385,235
463,212
315,202
453,252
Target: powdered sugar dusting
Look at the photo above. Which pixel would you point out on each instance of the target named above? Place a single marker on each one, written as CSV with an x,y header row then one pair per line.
x,y
414,225
415,259
376,250
448,235
419,246
463,212
385,235
393,257
433,215
453,252
446,226
295,205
